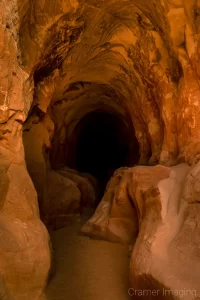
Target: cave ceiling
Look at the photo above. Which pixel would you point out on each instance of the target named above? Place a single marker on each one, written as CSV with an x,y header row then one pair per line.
x,y
141,55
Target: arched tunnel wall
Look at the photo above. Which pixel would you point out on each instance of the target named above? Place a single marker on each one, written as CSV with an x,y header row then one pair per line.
x,y
61,57
86,135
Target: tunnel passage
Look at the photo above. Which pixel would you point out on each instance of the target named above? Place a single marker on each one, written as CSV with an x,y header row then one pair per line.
x,y
103,143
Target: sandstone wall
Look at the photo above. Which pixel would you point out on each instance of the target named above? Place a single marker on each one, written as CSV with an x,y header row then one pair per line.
x,y
61,60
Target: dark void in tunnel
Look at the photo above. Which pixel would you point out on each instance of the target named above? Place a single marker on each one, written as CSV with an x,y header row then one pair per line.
x,y
104,145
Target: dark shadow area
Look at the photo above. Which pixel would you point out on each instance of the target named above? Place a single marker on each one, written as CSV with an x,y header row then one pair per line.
x,y
103,144
100,148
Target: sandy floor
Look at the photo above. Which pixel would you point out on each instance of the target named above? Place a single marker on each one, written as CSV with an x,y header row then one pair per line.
x,y
87,269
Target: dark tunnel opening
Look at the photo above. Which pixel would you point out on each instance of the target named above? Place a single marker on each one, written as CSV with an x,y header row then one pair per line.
x,y
104,143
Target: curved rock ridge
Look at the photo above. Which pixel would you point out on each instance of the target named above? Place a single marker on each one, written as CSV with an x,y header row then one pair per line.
x,y
136,61
130,55
148,207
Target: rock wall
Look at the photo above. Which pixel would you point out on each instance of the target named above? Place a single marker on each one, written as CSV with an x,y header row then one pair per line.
x,y
128,57
60,61
156,210
22,234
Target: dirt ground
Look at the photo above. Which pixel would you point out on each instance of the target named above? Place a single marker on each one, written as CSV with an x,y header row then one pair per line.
x,y
87,269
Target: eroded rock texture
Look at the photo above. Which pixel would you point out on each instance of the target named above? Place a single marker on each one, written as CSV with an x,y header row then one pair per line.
x,y
128,73
153,202
24,274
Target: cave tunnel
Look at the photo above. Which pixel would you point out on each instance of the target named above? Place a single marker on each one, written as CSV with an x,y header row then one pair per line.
x,y
86,89
101,145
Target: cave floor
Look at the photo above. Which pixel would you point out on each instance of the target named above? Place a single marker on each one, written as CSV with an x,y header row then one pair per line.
x,y
87,269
